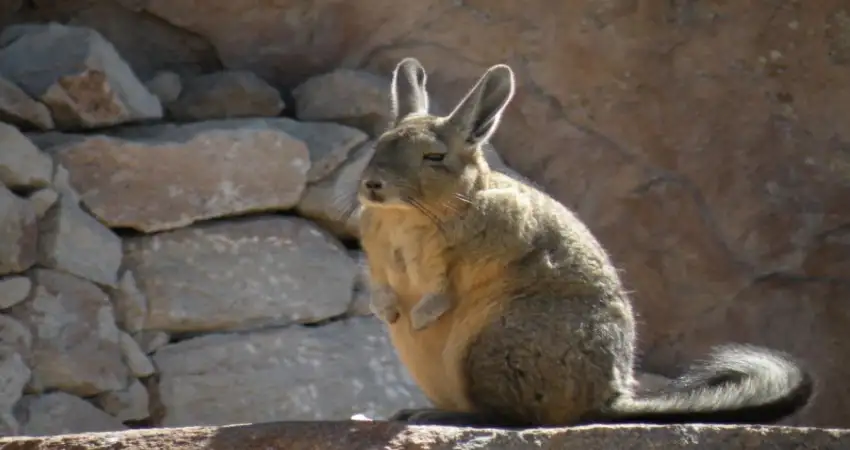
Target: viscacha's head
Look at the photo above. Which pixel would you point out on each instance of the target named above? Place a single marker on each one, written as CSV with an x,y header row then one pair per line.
x,y
427,160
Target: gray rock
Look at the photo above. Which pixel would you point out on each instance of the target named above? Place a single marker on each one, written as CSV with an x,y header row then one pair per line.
x,y
127,404
22,164
329,144
226,94
75,242
14,375
155,178
17,108
77,73
362,296
332,202
131,306
62,413
166,86
14,335
137,361
18,233
151,341
76,344
14,290
62,183
240,274
42,200
324,373
352,97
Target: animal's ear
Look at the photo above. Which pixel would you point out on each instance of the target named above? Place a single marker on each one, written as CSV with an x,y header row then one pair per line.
x,y
407,92
478,114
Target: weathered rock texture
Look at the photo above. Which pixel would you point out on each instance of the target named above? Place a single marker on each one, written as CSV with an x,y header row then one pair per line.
x,y
349,435
705,143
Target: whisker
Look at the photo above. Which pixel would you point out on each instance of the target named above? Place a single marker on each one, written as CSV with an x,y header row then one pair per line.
x,y
426,212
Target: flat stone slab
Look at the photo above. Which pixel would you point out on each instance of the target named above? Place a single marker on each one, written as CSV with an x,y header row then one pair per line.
x,y
349,435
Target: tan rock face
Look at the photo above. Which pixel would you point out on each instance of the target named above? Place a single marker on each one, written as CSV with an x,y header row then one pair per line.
x,y
704,142
240,274
139,177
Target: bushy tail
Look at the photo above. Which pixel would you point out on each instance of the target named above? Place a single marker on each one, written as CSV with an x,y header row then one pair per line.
x,y
737,384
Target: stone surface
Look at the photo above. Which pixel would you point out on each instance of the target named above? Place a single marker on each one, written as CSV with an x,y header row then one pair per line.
x,y
76,345
166,85
137,178
62,184
137,361
361,297
22,164
14,290
42,200
128,404
275,374
356,98
14,335
226,94
332,202
61,413
18,233
329,144
17,108
131,306
14,375
243,273
151,341
72,241
704,142
77,73
393,436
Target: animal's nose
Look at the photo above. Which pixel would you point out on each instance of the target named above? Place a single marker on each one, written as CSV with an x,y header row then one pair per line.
x,y
373,185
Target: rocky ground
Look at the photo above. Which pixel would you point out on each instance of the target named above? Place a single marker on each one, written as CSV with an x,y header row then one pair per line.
x,y
364,436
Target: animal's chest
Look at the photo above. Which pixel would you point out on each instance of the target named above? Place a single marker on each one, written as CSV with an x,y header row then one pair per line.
x,y
411,255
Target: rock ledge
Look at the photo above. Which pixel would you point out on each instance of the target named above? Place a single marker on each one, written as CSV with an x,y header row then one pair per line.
x,y
364,435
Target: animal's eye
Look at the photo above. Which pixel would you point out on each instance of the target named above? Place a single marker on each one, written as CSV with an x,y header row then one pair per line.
x,y
436,157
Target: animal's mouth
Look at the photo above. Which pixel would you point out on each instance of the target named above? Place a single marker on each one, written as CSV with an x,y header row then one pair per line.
x,y
372,197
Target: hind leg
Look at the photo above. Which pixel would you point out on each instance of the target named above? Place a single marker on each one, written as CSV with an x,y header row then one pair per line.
x,y
550,363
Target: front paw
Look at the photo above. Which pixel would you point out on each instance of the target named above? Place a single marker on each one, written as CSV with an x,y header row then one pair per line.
x,y
428,310
388,314
384,304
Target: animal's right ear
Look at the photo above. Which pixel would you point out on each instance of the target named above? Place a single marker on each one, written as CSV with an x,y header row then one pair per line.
x,y
478,114
408,94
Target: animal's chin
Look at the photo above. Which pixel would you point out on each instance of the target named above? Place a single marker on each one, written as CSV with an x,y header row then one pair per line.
x,y
373,200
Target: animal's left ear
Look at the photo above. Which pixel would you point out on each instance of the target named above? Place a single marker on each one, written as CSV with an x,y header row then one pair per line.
x,y
478,114
407,92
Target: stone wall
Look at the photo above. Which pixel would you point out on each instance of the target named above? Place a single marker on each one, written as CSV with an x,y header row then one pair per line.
x,y
161,273
705,143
